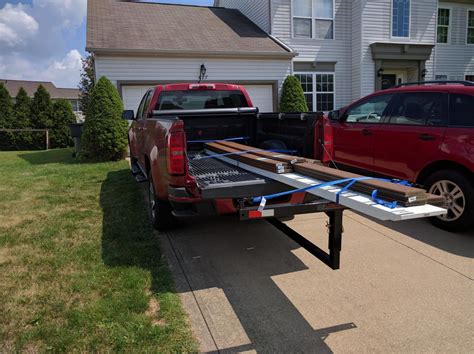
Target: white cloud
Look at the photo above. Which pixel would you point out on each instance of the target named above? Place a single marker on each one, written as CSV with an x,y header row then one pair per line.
x,y
33,41
16,26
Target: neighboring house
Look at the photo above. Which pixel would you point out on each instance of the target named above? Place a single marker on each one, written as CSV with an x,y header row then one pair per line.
x,y
70,94
138,45
349,48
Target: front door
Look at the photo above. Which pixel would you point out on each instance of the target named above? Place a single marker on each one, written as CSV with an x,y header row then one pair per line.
x,y
388,81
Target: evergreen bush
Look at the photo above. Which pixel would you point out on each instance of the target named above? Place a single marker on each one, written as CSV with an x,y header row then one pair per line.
x,y
292,97
6,118
62,117
105,132
22,114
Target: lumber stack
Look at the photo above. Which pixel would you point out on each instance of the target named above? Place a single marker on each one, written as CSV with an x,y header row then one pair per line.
x,y
280,163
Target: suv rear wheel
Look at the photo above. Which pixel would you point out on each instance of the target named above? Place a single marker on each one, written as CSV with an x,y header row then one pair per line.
x,y
458,192
160,211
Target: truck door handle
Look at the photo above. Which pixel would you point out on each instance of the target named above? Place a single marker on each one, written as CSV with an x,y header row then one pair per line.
x,y
427,137
366,132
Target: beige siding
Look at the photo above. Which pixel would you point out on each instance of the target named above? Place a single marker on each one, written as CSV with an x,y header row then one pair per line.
x,y
256,10
455,59
376,22
356,49
338,50
187,70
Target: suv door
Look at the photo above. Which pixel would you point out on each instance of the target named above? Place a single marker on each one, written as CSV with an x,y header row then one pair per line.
x,y
412,135
354,134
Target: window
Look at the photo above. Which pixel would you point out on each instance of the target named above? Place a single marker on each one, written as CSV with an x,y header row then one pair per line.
x,y
422,108
313,19
318,90
470,27
401,18
141,107
202,99
443,26
370,111
441,77
462,110
469,78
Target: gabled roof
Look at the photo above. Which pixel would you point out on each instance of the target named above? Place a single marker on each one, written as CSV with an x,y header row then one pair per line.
x,y
30,87
152,28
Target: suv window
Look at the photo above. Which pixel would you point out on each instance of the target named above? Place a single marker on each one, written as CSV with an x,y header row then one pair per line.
x,y
419,108
369,111
462,110
147,102
200,99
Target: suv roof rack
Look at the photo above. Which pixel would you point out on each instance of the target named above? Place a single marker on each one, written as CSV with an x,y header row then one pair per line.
x,y
439,82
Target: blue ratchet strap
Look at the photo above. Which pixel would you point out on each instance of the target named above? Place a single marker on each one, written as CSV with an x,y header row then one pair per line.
x,y
215,141
391,205
351,181
305,189
242,153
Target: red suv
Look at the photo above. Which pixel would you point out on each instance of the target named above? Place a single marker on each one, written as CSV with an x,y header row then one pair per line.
x,y
421,132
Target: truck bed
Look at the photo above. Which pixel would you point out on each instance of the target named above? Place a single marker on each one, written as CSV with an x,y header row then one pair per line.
x,y
218,179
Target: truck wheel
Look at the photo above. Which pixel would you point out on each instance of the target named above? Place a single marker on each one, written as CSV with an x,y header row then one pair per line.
x,y
458,192
160,211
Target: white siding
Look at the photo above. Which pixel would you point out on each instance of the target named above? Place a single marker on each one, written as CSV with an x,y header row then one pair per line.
x,y
187,70
356,49
455,59
376,20
256,10
338,49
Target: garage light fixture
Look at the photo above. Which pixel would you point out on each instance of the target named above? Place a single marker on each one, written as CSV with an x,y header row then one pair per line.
x,y
380,72
202,73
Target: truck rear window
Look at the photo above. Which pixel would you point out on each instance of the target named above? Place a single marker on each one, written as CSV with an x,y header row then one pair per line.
x,y
201,99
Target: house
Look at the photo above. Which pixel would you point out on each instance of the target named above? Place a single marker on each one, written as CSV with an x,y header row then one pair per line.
x,y
138,45
340,49
349,48
70,94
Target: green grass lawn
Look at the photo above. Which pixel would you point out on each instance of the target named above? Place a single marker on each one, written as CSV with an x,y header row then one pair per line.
x,y
80,267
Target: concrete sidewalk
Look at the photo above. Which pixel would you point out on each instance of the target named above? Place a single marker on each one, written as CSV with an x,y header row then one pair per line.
x,y
403,287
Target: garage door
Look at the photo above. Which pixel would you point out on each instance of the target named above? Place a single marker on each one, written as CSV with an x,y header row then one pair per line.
x,y
261,96
132,96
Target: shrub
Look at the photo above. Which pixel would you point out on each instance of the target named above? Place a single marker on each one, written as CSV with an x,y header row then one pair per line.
x,y
86,84
22,114
42,109
6,118
105,132
62,117
292,96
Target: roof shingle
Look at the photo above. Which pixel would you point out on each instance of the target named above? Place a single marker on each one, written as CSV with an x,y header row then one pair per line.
x,y
133,27
30,87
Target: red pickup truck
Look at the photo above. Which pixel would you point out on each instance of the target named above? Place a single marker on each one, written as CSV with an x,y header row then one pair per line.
x,y
420,132
170,129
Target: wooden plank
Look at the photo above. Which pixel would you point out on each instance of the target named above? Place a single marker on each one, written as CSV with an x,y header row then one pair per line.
x,y
271,155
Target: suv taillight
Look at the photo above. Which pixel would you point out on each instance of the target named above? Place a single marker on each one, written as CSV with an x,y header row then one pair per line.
x,y
176,159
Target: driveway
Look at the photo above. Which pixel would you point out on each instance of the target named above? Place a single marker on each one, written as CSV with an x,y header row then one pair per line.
x,y
401,287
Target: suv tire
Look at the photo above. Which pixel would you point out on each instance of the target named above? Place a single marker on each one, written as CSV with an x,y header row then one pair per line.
x,y
459,193
161,212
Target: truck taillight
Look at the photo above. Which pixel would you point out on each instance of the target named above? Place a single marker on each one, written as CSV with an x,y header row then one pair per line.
x,y
176,159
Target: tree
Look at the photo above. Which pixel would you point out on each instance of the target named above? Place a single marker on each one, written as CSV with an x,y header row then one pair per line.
x,y
87,82
292,97
6,118
22,114
105,132
62,117
41,109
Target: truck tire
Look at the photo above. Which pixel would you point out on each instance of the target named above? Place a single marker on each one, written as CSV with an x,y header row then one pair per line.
x,y
459,193
161,215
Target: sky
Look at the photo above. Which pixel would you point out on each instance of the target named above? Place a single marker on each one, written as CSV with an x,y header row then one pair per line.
x,y
45,40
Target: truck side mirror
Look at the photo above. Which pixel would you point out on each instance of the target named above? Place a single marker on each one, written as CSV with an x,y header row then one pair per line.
x,y
334,115
128,115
